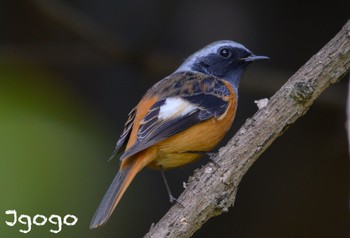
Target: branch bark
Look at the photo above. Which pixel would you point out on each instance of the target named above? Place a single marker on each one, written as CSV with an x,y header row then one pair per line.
x,y
212,189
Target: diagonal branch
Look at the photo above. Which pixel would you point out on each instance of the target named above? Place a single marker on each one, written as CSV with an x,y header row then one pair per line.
x,y
212,189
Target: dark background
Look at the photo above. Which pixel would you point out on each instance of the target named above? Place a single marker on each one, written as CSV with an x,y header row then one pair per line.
x,y
70,71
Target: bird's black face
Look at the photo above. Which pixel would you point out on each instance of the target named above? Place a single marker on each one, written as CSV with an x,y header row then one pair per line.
x,y
225,62
223,59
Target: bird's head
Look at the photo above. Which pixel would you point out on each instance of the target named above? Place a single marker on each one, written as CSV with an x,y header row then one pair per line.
x,y
224,59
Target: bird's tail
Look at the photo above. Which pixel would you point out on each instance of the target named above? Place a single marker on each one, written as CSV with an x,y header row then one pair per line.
x,y
114,193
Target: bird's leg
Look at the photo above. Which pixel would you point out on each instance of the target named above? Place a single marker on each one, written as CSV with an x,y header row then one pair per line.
x,y
172,199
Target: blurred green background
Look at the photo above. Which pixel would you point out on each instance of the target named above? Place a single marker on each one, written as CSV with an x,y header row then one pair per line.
x,y
70,71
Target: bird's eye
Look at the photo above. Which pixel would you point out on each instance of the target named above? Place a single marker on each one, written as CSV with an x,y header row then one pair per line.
x,y
225,53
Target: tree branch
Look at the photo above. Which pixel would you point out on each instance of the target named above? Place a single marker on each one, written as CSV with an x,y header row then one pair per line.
x,y
213,188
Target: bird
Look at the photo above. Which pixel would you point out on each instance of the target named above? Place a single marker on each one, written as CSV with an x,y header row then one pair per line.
x,y
180,118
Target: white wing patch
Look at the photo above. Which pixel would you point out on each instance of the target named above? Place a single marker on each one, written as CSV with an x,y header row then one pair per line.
x,y
175,107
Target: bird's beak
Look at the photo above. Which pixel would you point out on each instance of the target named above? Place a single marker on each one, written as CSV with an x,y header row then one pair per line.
x,y
254,58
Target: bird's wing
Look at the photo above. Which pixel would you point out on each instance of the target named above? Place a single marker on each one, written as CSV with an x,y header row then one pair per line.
x,y
193,102
124,137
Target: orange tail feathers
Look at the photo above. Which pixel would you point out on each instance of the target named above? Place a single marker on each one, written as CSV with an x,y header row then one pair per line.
x,y
114,193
